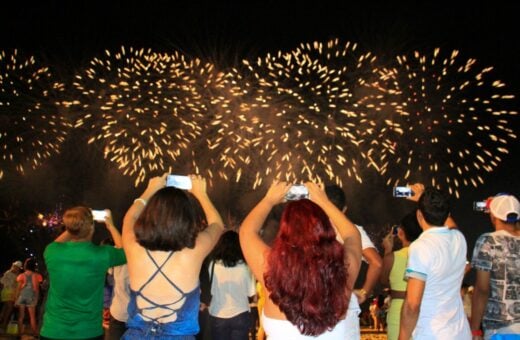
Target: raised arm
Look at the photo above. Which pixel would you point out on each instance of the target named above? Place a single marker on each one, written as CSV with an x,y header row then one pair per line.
x,y
65,236
208,238
346,229
252,245
388,259
155,184
116,235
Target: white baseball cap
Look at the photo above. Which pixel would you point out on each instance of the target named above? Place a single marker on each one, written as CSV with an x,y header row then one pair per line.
x,y
505,208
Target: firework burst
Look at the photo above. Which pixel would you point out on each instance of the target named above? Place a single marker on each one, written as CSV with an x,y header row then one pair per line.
x,y
147,109
310,107
452,123
31,126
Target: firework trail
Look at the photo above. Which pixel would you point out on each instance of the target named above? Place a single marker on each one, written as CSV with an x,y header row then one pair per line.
x,y
147,109
31,126
452,122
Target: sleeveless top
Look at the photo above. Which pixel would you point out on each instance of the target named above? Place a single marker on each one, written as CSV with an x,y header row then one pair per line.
x,y
284,330
396,277
27,290
187,314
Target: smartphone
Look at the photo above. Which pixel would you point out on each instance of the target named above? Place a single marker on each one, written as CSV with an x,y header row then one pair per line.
x,y
178,181
297,192
480,206
403,192
394,230
99,215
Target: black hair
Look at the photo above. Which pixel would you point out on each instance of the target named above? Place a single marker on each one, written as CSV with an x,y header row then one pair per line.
x,y
336,195
228,249
30,264
410,226
435,206
171,221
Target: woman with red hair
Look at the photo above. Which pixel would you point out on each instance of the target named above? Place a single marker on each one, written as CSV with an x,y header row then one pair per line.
x,y
307,273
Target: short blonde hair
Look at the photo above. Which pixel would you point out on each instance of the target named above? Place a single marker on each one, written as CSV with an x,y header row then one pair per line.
x,y
78,221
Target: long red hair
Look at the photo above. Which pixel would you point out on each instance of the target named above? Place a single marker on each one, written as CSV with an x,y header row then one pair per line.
x,y
306,275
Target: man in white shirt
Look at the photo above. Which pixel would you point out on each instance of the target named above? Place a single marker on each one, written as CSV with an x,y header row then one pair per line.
x,y
433,308
370,255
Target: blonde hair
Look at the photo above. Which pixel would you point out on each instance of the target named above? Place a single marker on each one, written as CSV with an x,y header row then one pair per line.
x,y
79,222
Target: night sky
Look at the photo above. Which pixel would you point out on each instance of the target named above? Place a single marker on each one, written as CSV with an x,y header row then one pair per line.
x,y
67,34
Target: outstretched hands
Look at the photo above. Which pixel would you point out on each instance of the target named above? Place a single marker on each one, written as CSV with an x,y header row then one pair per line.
x,y
276,192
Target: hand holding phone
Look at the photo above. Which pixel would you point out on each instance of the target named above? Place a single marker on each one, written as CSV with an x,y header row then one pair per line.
x,y
179,182
481,206
99,215
402,191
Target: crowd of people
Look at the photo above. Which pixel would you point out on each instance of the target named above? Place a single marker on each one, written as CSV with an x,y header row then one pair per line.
x,y
298,260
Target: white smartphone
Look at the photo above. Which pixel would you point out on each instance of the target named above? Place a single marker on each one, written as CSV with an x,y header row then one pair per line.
x,y
180,182
99,215
480,206
297,192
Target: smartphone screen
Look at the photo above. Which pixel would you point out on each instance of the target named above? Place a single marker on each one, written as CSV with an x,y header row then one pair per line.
x,y
480,206
394,230
297,192
402,192
99,215
178,181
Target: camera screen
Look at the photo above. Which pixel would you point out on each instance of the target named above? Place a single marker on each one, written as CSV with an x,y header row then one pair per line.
x,y
180,182
297,192
99,215
402,192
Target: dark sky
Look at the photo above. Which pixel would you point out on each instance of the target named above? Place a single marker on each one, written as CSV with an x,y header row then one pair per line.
x,y
69,33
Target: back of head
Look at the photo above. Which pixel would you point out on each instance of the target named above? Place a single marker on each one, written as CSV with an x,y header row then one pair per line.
x,y
228,249
435,206
79,222
272,224
30,264
306,275
410,226
336,195
170,221
506,208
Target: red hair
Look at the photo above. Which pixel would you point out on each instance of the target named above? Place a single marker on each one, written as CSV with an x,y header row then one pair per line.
x,y
306,275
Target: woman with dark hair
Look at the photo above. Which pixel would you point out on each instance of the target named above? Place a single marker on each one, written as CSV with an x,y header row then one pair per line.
x,y
231,286
77,269
166,240
28,293
308,275
394,265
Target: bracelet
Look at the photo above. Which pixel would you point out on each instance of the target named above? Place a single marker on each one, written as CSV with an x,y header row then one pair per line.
x,y
477,332
142,200
362,292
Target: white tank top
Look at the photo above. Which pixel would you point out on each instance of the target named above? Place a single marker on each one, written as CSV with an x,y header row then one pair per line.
x,y
284,330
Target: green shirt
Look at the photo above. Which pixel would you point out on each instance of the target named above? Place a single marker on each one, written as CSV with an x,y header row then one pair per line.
x,y
74,308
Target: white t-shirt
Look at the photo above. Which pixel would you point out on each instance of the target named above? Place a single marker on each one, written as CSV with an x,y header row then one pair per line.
x,y
366,243
438,257
121,298
230,289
